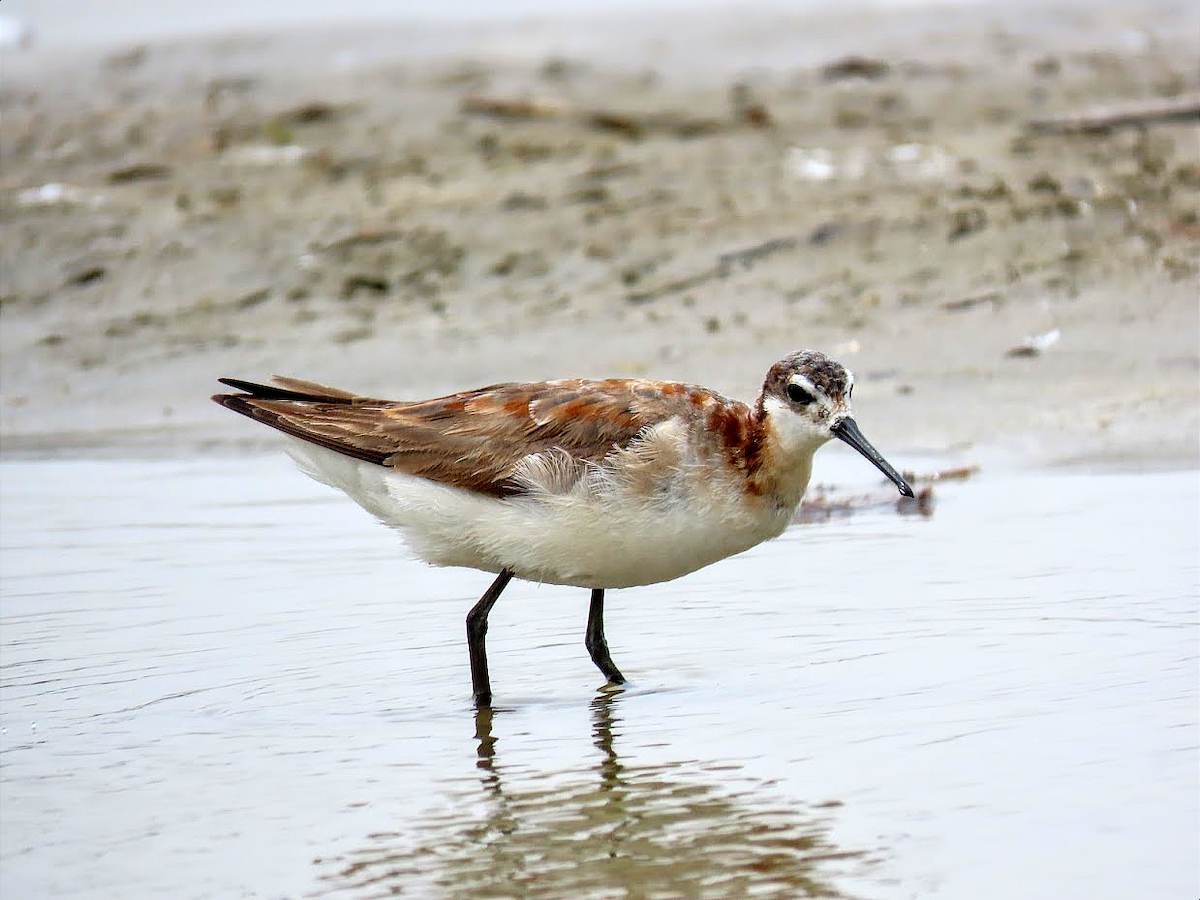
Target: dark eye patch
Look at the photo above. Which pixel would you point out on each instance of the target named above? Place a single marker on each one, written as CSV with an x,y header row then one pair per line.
x,y
799,395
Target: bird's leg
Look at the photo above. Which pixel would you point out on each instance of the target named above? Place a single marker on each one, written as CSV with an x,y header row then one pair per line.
x,y
594,640
477,626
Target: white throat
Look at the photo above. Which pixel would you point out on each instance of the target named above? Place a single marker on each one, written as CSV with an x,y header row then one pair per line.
x,y
792,434
793,440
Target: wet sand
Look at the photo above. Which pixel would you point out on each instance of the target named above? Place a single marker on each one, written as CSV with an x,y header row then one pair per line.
x,y
418,208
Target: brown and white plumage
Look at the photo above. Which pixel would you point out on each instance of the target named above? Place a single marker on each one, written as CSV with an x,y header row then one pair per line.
x,y
477,439
598,484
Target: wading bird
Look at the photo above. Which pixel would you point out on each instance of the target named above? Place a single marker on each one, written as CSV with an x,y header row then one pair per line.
x,y
595,484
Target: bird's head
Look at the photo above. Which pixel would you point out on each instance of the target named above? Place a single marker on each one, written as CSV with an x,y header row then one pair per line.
x,y
806,399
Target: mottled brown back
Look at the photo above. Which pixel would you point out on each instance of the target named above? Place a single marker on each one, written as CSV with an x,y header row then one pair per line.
x,y
474,439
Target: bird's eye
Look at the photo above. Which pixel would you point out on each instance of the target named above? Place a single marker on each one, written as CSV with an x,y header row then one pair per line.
x,y
799,395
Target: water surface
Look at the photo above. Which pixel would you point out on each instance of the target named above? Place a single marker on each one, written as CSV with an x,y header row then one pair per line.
x,y
218,679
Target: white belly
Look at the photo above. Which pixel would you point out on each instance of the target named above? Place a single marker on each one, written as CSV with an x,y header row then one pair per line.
x,y
609,537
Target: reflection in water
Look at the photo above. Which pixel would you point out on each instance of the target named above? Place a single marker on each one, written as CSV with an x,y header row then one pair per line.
x,y
629,831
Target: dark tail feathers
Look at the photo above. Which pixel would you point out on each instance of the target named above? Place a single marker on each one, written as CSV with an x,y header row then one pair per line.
x,y
270,392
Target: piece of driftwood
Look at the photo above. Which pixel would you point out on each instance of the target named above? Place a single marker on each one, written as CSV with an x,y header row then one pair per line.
x,y
367,237
512,108
1133,115
855,67
989,298
748,257
823,503
628,124
146,171
726,265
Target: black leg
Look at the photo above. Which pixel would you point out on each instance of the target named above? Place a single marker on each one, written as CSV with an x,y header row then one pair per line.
x,y
594,640
477,618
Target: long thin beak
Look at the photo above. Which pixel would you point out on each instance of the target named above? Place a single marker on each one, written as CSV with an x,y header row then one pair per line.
x,y
847,430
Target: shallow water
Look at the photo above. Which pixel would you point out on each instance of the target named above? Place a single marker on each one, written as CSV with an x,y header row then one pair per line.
x,y
222,680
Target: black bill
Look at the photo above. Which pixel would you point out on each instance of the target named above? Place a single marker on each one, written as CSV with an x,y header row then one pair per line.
x,y
847,430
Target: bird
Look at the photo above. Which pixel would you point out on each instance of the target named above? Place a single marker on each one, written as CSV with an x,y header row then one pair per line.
x,y
597,484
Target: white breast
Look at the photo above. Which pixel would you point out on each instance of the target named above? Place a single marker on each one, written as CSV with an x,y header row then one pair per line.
x,y
644,516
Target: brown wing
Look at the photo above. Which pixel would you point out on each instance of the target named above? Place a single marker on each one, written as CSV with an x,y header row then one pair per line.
x,y
473,439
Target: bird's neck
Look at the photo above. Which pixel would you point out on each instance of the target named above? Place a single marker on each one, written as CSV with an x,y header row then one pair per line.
x,y
774,467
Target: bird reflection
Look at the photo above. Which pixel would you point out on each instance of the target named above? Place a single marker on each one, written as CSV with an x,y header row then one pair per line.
x,y
603,717
640,829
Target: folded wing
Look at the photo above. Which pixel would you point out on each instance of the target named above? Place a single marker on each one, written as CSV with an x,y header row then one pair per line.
x,y
474,439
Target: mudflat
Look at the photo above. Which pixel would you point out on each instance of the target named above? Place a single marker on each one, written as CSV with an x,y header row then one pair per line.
x,y
990,215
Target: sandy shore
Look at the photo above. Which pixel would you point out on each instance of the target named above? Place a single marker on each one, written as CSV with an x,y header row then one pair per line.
x,y
412,209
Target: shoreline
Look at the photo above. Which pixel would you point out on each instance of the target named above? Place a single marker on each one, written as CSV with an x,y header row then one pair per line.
x,y
366,219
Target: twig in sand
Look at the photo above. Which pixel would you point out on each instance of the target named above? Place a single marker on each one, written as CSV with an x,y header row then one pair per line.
x,y
505,108
723,268
964,303
1105,119
855,67
629,124
147,171
673,287
751,255
363,238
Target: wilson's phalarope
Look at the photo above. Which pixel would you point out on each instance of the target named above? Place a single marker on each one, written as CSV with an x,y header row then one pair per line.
x,y
594,484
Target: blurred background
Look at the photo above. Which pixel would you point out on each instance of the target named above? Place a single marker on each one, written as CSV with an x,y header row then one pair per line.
x,y
410,199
